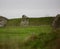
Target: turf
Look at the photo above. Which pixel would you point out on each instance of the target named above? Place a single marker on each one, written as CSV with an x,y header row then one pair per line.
x,y
32,21
38,35
23,31
11,36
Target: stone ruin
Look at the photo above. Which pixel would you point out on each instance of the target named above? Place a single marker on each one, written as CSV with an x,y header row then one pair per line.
x,y
56,22
24,21
3,21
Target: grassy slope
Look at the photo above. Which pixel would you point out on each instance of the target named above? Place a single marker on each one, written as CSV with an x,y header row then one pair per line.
x,y
33,21
23,31
41,21
15,37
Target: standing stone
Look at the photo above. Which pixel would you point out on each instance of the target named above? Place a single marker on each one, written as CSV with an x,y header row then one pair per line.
x,y
3,21
24,21
56,22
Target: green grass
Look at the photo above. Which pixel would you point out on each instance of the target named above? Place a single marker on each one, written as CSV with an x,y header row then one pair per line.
x,y
16,35
23,31
32,21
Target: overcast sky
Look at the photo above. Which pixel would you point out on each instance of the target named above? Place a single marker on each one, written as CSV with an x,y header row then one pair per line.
x,y
31,8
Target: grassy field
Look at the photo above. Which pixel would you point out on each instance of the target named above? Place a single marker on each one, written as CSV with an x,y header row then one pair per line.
x,y
24,31
37,36
32,21
32,37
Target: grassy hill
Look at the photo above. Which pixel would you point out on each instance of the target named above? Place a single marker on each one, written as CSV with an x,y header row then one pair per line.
x,y
18,37
39,35
32,21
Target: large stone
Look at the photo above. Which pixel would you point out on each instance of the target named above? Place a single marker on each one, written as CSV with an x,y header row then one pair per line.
x,y
3,21
24,21
56,22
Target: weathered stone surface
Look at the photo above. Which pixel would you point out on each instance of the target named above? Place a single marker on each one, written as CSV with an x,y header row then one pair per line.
x,y
56,22
24,21
3,21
